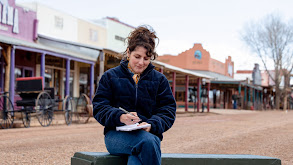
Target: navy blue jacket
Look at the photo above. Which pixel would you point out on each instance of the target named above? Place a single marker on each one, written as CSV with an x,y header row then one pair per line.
x,y
151,98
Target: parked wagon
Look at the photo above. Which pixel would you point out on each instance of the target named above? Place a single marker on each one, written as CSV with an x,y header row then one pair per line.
x,y
6,111
83,109
37,101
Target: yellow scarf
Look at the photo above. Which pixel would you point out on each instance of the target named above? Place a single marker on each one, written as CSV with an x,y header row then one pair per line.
x,y
135,77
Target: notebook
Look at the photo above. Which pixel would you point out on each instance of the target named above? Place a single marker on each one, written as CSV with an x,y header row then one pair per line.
x,y
132,127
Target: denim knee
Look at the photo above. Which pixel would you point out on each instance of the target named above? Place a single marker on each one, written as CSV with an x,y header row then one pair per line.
x,y
151,141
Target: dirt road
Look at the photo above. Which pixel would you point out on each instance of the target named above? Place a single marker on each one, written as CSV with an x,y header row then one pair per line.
x,y
263,133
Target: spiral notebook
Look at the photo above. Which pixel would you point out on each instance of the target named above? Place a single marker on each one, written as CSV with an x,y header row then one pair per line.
x,y
132,127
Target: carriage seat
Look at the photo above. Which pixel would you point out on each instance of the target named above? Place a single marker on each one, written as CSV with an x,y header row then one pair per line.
x,y
28,89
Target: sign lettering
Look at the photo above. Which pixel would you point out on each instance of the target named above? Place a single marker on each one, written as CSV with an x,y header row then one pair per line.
x,y
15,23
10,16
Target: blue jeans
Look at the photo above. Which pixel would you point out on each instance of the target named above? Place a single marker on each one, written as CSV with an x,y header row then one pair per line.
x,y
140,146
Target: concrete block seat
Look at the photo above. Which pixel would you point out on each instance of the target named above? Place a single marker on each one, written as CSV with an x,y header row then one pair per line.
x,y
102,158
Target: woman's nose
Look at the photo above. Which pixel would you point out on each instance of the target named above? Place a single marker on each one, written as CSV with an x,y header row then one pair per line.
x,y
140,61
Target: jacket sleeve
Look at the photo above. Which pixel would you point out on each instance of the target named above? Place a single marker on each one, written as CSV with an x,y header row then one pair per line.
x,y
165,113
103,112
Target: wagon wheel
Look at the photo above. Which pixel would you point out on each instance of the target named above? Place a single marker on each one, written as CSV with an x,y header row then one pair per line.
x,y
82,111
44,109
26,119
67,107
6,112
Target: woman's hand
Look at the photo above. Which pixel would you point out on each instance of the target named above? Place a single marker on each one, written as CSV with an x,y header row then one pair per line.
x,y
129,119
147,128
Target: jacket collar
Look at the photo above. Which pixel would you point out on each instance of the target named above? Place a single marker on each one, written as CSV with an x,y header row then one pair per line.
x,y
124,64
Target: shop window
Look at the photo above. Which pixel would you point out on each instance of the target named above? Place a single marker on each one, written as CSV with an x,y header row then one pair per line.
x,y
49,78
83,83
58,22
180,96
70,83
93,35
23,72
17,72
52,80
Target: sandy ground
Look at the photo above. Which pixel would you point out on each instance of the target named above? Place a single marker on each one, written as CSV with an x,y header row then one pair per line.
x,y
266,133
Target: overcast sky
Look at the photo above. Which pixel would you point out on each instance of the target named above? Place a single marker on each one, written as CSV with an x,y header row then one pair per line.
x,y
181,23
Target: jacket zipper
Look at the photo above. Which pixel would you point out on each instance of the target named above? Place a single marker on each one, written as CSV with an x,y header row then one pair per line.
x,y
136,86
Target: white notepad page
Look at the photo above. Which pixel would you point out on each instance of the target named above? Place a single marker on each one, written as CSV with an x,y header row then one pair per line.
x,y
131,127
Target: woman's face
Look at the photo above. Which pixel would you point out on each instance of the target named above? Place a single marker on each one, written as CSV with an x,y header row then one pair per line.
x,y
138,60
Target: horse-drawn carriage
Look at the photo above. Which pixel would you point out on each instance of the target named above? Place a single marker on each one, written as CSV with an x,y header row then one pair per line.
x,y
40,102
37,101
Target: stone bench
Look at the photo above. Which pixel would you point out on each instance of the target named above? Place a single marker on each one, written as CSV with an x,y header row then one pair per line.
x,y
102,158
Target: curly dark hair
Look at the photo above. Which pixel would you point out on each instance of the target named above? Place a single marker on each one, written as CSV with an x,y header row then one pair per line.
x,y
143,36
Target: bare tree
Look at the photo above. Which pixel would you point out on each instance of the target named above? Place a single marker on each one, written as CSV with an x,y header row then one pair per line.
x,y
272,39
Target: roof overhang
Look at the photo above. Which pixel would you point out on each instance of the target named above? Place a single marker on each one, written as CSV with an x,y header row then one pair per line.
x,y
180,70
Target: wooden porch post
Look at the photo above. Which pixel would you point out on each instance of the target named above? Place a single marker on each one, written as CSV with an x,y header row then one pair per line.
x,y
12,77
198,96
174,84
208,106
186,92
7,70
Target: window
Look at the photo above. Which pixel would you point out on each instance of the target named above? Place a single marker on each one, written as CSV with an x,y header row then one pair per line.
x,y
93,35
49,78
20,71
23,72
58,22
119,38
71,77
83,83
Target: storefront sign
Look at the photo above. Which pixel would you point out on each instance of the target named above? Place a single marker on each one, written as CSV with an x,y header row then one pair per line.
x,y
9,16
17,22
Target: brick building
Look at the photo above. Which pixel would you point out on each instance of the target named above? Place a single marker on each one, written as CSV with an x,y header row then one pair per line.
x,y
198,59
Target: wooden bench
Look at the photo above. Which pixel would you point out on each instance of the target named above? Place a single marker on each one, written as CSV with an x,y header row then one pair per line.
x,y
102,158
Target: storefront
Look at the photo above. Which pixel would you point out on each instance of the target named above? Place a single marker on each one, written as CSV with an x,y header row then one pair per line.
x,y
17,25
66,66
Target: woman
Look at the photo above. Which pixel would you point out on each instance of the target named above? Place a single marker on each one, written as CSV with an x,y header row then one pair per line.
x,y
134,85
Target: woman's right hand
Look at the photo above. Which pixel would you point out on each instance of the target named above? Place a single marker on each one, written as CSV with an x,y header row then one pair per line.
x,y
129,119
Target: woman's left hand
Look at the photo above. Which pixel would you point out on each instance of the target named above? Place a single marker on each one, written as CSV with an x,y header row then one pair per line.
x,y
147,128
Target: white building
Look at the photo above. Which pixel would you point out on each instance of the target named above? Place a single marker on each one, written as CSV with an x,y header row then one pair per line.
x,y
117,32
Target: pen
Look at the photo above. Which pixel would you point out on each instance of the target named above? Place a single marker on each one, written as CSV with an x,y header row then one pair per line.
x,y
126,111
